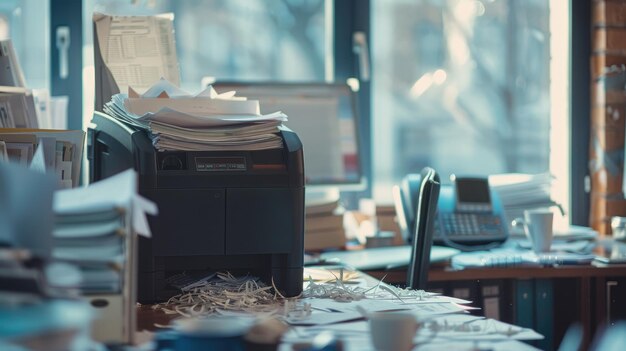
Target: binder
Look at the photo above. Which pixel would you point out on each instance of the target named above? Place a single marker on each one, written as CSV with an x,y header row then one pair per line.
x,y
491,301
525,303
544,313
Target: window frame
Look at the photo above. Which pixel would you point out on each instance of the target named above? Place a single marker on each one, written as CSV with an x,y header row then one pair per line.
x,y
350,16
68,13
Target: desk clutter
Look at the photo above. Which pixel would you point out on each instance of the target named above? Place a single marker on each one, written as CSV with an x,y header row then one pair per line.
x,y
224,259
77,258
337,307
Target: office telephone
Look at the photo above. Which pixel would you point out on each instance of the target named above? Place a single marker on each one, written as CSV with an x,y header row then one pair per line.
x,y
468,212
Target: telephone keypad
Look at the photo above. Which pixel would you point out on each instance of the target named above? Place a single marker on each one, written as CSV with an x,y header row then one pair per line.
x,y
468,226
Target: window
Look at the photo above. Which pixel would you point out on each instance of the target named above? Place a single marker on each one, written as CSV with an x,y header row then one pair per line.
x,y
26,23
471,87
252,40
464,87
240,39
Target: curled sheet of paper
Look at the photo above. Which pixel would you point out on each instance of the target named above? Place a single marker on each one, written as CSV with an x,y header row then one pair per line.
x,y
142,207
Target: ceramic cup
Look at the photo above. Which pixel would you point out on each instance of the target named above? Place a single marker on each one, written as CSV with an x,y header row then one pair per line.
x,y
213,333
393,331
538,228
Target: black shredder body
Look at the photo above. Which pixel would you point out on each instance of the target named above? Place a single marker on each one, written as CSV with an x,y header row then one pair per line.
x,y
235,211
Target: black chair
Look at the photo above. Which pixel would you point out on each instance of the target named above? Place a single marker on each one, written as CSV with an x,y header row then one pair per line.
x,y
426,207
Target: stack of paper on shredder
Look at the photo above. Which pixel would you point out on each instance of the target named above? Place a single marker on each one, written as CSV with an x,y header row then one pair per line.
x,y
519,192
95,229
207,121
323,225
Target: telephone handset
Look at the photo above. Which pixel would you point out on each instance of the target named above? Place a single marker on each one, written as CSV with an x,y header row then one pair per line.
x,y
468,213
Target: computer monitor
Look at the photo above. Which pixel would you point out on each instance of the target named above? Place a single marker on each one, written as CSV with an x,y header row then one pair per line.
x,y
324,117
425,208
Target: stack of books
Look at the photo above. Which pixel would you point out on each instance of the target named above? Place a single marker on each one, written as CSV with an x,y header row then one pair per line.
x,y
207,121
323,226
95,230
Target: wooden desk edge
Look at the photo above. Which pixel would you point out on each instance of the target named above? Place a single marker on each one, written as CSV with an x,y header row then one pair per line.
x,y
448,274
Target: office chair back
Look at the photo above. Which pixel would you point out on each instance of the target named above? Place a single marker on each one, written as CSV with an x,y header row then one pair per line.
x,y
426,207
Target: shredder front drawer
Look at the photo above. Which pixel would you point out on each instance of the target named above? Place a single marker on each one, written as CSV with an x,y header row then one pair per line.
x,y
259,220
190,222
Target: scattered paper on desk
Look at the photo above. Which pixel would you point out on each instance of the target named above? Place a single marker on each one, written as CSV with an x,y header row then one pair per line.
x,y
468,327
329,274
369,305
427,310
501,345
324,318
434,299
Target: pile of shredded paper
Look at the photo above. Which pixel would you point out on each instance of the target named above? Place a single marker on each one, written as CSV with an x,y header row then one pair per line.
x,y
227,294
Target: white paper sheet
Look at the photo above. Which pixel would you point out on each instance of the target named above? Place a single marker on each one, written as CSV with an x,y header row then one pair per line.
x,y
324,318
141,207
107,194
468,327
138,50
199,106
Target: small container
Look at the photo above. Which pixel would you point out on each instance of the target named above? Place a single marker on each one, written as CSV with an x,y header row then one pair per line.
x,y
618,227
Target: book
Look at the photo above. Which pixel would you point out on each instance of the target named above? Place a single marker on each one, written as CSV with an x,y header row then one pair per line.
x,y
324,239
323,222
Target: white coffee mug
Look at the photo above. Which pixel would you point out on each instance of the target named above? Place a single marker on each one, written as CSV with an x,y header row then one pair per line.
x,y
393,331
538,228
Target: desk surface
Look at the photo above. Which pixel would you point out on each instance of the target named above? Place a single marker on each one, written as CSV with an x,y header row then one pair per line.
x,y
149,318
446,273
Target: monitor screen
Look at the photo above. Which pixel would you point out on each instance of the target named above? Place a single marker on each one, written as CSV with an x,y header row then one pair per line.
x,y
324,117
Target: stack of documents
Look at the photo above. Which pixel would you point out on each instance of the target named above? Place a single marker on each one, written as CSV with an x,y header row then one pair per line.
x,y
17,108
21,107
207,121
519,192
93,226
58,152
